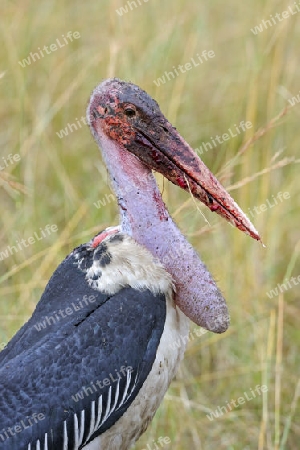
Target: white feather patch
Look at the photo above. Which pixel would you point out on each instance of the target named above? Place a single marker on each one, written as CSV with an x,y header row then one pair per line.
x,y
131,265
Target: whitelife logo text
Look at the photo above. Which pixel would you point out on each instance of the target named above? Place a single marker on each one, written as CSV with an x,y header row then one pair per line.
x,y
236,403
22,243
7,161
48,49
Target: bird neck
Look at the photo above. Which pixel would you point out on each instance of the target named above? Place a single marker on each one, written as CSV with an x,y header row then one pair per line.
x,y
144,216
139,199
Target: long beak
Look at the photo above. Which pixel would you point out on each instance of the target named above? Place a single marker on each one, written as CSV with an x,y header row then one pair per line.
x,y
162,148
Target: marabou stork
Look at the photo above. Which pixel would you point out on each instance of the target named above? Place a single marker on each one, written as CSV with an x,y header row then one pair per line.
x,y
91,366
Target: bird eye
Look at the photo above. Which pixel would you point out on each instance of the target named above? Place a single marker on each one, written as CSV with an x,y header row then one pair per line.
x,y
130,111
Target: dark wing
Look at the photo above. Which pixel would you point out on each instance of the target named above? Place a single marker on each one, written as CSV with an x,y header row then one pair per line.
x,y
67,288
65,384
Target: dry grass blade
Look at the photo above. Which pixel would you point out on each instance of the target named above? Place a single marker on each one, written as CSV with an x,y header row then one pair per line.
x,y
6,179
257,135
246,180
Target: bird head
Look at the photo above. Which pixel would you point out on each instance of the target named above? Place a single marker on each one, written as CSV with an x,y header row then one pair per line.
x,y
126,114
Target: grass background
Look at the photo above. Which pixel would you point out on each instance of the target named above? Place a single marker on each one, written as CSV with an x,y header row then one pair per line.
x,y
58,180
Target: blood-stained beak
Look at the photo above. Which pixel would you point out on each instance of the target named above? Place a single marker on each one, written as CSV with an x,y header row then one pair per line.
x,y
163,149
